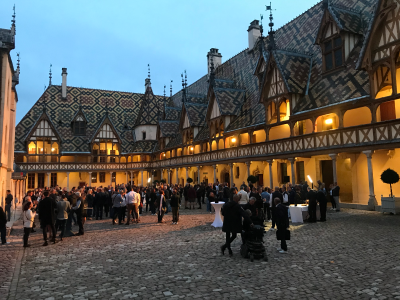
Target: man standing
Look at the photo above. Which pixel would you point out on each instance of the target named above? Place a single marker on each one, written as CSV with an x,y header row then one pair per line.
x,y
79,210
226,193
47,208
312,205
117,202
265,196
335,195
275,194
100,199
321,198
282,223
63,209
244,197
136,205
130,199
9,200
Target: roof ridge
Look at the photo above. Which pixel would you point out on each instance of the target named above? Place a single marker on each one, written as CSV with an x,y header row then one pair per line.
x,y
86,88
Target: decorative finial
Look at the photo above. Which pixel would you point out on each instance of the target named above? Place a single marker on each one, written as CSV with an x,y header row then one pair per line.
x,y
183,82
13,22
271,18
164,89
18,60
170,89
185,79
148,70
261,25
50,75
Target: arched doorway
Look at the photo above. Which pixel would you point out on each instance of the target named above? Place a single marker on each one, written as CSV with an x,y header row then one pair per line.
x,y
225,176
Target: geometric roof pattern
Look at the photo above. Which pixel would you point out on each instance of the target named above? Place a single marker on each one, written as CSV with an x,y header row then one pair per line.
x,y
143,146
196,113
169,128
123,110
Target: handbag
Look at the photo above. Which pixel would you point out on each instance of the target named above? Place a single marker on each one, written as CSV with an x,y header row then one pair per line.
x,y
285,234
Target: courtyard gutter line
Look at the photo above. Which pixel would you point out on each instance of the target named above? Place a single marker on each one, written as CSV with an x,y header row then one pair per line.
x,y
17,271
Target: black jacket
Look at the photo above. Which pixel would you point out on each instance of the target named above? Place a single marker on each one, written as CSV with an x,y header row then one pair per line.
x,y
276,195
335,191
47,208
227,192
3,219
233,214
9,199
174,201
282,220
312,196
321,198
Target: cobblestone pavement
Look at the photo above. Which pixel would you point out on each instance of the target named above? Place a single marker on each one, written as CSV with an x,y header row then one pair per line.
x,y
355,254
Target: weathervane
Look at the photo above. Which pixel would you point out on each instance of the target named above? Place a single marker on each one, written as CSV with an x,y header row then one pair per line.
x,y
50,75
271,18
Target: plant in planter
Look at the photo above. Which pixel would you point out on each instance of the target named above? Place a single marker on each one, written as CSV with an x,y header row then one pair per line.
x,y
252,179
388,204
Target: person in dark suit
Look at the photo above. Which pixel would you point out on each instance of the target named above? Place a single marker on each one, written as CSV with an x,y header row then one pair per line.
x,y
321,198
233,214
275,194
312,205
282,223
47,208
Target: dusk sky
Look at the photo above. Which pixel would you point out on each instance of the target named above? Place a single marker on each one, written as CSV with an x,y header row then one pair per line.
x,y
108,44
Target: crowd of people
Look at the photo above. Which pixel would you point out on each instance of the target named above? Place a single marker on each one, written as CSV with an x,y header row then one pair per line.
x,y
58,208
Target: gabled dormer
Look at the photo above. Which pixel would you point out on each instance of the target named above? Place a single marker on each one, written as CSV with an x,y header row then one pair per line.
x,y
145,127
339,32
105,142
79,122
192,120
43,141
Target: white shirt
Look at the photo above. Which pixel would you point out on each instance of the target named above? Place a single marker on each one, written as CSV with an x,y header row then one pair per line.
x,y
244,197
28,217
130,198
137,198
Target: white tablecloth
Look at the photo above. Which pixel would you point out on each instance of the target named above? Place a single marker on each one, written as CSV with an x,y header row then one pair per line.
x,y
296,213
217,221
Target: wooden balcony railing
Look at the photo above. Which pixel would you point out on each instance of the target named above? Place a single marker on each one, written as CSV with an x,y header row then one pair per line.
x,y
369,136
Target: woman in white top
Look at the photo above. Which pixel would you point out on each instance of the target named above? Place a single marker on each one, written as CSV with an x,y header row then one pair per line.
x,y
28,217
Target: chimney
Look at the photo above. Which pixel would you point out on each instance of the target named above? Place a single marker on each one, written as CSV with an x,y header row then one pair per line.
x,y
216,57
64,83
254,33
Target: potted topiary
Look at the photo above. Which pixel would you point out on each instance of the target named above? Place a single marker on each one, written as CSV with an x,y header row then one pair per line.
x,y
252,179
390,204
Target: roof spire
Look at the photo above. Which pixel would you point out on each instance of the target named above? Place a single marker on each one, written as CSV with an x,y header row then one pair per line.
x,y
170,89
261,25
271,32
13,22
50,84
164,90
148,71
271,18
183,89
325,4
185,79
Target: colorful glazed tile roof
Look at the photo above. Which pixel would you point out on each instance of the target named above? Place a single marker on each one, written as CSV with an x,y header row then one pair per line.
x,y
144,146
204,134
169,128
196,113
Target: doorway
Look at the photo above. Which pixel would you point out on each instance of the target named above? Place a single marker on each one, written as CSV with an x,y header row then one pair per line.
x,y
327,172
260,180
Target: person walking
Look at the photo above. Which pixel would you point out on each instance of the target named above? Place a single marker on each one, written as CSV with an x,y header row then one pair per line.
x,y
9,200
3,228
175,207
282,223
27,218
47,208
233,214
63,209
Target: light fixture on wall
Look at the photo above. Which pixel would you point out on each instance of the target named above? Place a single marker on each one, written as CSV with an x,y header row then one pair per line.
x,y
164,154
52,149
233,140
191,148
328,121
148,180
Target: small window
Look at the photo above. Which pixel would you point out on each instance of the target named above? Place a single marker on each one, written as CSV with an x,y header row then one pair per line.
x,y
31,181
143,135
53,179
94,177
40,180
79,126
103,159
333,53
102,176
112,159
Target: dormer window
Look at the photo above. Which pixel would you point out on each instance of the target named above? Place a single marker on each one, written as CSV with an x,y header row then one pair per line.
x,y
333,53
79,126
143,135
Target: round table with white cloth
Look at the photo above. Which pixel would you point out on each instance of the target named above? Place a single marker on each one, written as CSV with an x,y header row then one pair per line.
x,y
218,220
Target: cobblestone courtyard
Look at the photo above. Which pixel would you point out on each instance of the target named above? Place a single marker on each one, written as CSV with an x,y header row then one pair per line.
x,y
355,254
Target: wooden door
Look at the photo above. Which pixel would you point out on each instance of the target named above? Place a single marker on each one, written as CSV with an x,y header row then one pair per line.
x,y
388,111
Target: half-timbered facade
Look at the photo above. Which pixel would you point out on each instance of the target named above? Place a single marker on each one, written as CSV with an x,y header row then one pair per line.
x,y
317,99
